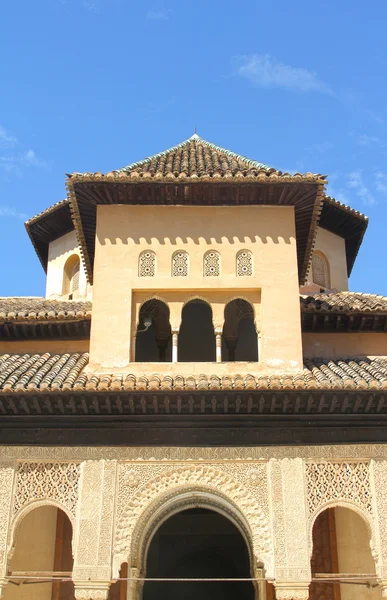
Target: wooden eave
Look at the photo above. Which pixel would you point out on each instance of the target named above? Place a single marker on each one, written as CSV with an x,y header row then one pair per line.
x,y
194,419
47,227
343,322
305,194
45,330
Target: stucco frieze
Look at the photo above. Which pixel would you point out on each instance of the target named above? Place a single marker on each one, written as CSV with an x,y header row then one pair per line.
x,y
145,489
152,454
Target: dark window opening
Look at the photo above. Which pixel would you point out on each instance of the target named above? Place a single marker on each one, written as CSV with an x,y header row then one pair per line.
x,y
153,339
239,340
198,543
196,335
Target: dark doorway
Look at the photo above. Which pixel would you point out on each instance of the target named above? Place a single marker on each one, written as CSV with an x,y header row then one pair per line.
x,y
153,339
198,543
196,335
239,340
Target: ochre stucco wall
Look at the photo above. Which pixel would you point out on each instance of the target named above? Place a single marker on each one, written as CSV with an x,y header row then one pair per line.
x,y
354,553
58,253
35,548
335,345
42,346
124,231
333,247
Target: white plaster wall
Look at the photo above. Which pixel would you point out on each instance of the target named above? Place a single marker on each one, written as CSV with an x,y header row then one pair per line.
x,y
35,549
333,247
354,553
58,253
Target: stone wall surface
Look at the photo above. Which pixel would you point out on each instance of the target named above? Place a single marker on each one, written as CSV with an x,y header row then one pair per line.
x,y
273,495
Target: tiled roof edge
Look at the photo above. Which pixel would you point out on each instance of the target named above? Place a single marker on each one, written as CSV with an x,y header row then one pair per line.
x,y
345,208
46,212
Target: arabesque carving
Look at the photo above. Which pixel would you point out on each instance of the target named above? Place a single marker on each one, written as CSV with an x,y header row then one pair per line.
x,y
54,481
341,484
91,593
339,453
6,483
338,481
134,503
292,594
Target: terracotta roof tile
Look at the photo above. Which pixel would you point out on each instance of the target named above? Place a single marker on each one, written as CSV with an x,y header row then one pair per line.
x,y
344,302
196,159
26,308
40,309
345,208
42,373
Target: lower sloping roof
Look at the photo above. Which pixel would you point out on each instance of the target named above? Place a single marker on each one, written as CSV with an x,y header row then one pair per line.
x,y
31,308
46,373
344,302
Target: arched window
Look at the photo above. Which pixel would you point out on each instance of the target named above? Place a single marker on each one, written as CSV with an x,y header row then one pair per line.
x,y
244,263
71,275
211,267
341,544
180,264
320,270
239,340
153,339
147,264
43,544
196,335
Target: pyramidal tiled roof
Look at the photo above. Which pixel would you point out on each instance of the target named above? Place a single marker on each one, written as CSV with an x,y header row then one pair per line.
x,y
195,156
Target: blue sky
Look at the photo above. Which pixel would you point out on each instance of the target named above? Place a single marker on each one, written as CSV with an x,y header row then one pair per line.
x,y
92,85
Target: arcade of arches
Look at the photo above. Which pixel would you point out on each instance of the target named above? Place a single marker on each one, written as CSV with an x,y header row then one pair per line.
x,y
196,339
283,531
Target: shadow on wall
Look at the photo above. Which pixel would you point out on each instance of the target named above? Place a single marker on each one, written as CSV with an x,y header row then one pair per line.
x,y
181,240
204,227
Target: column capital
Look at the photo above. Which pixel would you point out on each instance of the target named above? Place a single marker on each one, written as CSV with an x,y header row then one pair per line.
x,y
292,592
91,591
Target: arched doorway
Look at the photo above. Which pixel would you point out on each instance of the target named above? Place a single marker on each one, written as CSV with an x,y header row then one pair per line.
x,y
196,335
198,543
341,545
43,545
153,338
239,340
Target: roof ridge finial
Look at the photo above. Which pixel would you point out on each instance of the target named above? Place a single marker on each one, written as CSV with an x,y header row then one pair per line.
x,y
195,136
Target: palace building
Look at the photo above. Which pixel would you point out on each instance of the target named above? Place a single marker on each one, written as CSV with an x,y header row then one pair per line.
x,y
197,408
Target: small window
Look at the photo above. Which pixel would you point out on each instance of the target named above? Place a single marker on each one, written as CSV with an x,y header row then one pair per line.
x,y
71,274
320,270
244,263
74,282
147,264
180,264
211,264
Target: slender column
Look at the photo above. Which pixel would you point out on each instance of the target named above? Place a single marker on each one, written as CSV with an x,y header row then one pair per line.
x,y
134,586
175,337
133,348
218,337
7,471
378,470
